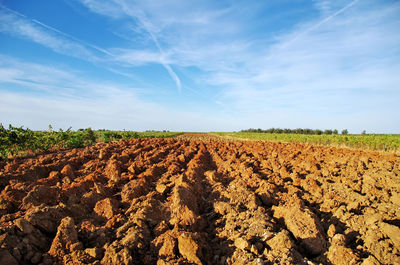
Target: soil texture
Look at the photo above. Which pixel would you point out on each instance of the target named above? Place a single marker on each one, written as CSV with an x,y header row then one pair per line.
x,y
199,199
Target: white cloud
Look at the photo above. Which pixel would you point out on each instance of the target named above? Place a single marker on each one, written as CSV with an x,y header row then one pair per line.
x,y
138,14
43,94
53,80
335,62
124,112
339,56
35,76
136,57
344,58
18,25
107,8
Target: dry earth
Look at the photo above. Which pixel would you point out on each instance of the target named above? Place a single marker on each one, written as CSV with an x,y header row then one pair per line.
x,y
199,199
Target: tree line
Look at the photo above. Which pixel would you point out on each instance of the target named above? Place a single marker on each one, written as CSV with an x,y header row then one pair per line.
x,y
296,131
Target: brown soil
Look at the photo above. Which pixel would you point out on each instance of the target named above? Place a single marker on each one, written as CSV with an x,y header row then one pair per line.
x,y
199,199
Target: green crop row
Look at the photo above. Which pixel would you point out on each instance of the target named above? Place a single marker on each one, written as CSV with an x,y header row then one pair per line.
x,y
387,142
17,140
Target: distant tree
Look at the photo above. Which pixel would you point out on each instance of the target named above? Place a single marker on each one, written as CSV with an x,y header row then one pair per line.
x,y
345,132
308,131
363,132
294,131
50,128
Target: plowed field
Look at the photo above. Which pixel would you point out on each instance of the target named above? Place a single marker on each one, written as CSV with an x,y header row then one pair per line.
x,y
198,199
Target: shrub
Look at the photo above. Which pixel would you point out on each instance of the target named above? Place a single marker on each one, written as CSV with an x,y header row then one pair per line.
x,y
76,140
89,137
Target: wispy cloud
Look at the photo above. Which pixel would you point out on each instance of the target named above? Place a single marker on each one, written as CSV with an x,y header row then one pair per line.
x,y
319,64
141,17
131,57
335,58
17,24
320,23
107,8
68,36
36,112
47,94
343,68
51,80
35,95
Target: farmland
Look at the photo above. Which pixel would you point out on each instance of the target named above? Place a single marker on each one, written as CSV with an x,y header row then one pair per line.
x,y
200,199
387,142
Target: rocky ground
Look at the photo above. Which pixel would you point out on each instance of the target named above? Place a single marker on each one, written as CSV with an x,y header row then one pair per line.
x,y
201,200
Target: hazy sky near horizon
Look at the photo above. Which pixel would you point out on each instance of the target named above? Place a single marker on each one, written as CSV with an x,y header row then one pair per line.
x,y
200,65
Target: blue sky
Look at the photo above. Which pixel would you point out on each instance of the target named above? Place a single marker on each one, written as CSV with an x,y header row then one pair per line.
x,y
200,65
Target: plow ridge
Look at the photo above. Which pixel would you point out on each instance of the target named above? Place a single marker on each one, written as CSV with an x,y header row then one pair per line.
x,y
201,199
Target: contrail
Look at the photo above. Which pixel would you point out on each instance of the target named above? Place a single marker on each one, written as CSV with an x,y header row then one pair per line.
x,y
144,21
72,37
173,75
169,69
321,22
57,31
13,11
331,16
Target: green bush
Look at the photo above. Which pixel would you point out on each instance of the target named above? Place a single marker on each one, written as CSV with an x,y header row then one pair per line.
x,y
17,140
75,140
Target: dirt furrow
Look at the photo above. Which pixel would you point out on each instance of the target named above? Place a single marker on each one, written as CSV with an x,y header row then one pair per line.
x,y
201,199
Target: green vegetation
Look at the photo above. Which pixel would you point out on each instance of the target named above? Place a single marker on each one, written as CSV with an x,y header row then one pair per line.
x,y
19,141
388,142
